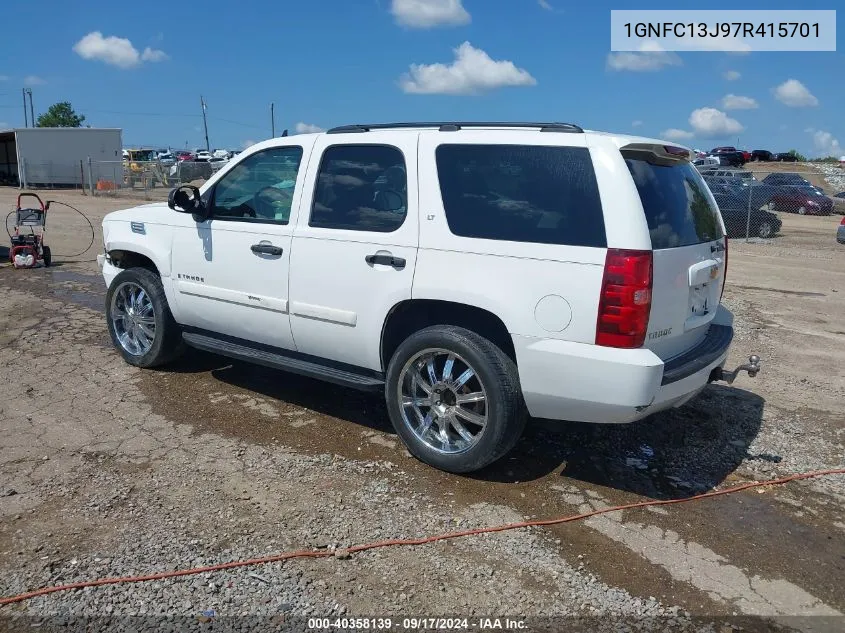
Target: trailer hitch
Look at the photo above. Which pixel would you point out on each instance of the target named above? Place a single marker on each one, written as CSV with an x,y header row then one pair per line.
x,y
752,367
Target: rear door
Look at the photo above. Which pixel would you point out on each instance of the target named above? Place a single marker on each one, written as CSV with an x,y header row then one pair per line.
x,y
687,238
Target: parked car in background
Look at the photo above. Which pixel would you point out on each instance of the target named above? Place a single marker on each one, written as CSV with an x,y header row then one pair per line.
x,y
786,157
221,153
735,214
839,202
840,232
217,162
762,155
722,150
745,154
753,194
706,161
732,159
184,155
787,179
741,175
167,159
801,200
202,155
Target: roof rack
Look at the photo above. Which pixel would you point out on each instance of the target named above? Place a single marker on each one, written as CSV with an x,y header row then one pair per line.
x,y
454,126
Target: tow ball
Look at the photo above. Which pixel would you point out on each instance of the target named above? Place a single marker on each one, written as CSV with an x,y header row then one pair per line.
x,y
752,367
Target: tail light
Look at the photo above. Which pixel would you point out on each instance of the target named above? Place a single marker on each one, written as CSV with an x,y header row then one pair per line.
x,y
842,223
625,301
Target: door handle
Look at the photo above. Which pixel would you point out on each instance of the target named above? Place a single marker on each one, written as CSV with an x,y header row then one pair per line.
x,y
386,260
266,248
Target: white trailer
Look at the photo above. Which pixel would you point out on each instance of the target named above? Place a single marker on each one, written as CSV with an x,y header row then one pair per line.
x,y
59,156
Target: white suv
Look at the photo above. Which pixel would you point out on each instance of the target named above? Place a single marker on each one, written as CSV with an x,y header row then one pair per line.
x,y
473,272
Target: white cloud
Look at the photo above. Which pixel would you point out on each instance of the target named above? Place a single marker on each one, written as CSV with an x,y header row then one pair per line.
x,y
737,102
307,128
472,72
731,75
636,123
154,55
116,51
795,94
825,144
33,80
545,5
425,14
713,123
674,134
648,61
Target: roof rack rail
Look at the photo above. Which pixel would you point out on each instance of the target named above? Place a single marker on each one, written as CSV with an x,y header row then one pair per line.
x,y
454,126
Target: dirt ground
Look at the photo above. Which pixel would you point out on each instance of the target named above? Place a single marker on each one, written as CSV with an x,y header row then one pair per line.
x,y
108,470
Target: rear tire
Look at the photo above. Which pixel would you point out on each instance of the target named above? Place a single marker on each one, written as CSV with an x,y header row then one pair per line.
x,y
48,256
492,393
765,230
144,330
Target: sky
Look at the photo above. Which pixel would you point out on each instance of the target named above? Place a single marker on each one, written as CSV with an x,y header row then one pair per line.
x,y
332,62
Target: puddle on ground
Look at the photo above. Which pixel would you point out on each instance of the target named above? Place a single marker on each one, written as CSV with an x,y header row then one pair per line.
x,y
78,288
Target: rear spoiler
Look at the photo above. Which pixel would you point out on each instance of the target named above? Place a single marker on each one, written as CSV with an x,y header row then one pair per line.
x,y
657,154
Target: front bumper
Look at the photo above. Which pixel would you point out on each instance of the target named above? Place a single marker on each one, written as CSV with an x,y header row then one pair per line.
x,y
109,270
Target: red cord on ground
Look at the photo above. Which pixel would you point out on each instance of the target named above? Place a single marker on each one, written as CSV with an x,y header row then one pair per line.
x,y
421,541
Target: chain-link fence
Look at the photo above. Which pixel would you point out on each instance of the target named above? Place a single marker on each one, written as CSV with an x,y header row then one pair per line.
x,y
108,178
115,177
754,200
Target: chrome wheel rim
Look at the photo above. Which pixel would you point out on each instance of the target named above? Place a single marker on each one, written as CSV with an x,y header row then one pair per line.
x,y
443,401
133,318
765,230
802,211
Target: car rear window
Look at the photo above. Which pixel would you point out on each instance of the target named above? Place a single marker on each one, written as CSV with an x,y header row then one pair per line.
x,y
677,208
521,193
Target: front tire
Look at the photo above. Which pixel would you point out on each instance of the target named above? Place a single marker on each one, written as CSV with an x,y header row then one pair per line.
x,y
140,323
454,398
47,256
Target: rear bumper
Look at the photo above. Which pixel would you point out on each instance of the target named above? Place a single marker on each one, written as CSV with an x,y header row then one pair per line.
x,y
562,380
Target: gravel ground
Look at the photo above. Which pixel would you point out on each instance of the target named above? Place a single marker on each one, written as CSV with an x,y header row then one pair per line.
x,y
107,470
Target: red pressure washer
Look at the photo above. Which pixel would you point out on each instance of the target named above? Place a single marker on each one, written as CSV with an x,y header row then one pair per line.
x,y
28,249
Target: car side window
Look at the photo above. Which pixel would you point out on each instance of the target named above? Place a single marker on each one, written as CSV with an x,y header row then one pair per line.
x,y
361,188
259,188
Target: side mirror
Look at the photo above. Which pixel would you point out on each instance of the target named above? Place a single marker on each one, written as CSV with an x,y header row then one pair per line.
x,y
186,199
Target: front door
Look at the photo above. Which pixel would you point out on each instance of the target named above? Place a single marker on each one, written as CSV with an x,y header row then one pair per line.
x,y
230,272
355,246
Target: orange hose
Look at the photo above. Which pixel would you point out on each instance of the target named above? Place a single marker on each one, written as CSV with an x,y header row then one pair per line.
x,y
420,541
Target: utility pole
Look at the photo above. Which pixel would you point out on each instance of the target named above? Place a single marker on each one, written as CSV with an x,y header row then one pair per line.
x,y
31,110
272,121
25,121
205,124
